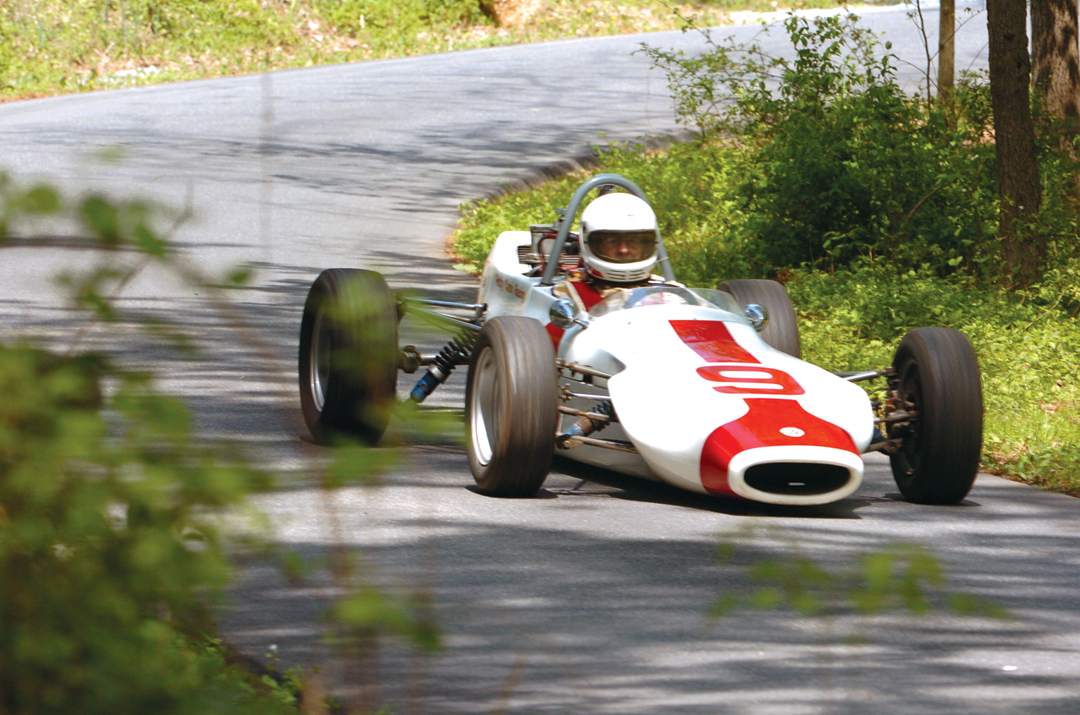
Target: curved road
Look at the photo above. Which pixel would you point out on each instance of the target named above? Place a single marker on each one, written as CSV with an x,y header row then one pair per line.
x,y
590,598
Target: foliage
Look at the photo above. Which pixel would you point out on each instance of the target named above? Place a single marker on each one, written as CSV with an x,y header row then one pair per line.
x,y
107,558
900,577
740,88
392,26
111,552
843,164
68,46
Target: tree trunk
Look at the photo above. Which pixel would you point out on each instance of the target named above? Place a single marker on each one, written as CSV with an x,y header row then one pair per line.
x,y
946,49
1055,58
1014,134
508,13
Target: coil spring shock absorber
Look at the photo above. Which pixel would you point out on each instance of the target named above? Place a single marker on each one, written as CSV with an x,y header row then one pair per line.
x,y
604,414
456,352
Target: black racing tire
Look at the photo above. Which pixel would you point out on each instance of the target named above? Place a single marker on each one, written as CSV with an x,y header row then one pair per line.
x,y
782,329
937,375
348,356
510,407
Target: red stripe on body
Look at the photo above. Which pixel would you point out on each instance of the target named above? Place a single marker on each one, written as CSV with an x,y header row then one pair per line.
x,y
556,334
711,340
760,427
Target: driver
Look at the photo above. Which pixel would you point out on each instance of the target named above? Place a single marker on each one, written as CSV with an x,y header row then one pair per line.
x,y
619,240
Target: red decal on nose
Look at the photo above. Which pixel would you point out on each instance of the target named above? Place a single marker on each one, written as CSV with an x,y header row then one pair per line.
x,y
711,340
761,427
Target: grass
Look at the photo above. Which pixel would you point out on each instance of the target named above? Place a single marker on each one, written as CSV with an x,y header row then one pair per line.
x,y
50,47
850,319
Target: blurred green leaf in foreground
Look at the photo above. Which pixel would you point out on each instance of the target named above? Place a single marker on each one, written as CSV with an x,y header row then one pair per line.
x,y
905,578
111,503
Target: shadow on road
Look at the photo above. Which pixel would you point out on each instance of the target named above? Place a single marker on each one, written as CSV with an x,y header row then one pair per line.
x,y
606,608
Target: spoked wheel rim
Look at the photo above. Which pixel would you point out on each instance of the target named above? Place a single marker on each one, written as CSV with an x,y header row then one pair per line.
x,y
320,361
484,420
911,395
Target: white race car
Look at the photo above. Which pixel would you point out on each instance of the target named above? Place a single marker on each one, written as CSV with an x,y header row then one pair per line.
x,y
699,388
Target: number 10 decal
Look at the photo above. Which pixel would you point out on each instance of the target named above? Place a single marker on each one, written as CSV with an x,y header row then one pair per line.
x,y
750,380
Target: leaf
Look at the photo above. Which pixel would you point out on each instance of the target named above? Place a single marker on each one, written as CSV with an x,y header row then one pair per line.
x,y
40,200
294,567
356,463
240,276
102,218
766,598
723,606
368,607
968,605
806,604
148,241
877,571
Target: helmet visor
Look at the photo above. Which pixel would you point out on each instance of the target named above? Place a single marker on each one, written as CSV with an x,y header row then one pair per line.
x,y
623,246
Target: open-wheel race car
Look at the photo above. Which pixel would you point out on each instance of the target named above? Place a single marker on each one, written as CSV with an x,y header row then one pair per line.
x,y
701,388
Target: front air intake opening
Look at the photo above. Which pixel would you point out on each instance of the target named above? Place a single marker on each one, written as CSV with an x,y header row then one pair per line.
x,y
796,478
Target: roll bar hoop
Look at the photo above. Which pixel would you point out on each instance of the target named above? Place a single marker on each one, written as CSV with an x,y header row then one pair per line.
x,y
566,218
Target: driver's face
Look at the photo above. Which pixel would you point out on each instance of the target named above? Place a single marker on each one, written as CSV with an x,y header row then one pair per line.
x,y
623,247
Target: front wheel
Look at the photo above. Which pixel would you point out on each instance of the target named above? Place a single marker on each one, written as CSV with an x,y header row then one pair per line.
x,y
781,331
510,407
348,355
937,380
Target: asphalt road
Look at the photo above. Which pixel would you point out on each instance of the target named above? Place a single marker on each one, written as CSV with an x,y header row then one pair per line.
x,y
590,598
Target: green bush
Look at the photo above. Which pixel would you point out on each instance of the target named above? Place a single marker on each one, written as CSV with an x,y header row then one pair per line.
x,y
841,163
107,560
109,557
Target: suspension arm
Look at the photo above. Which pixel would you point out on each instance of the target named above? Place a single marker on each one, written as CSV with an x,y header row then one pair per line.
x,y
868,375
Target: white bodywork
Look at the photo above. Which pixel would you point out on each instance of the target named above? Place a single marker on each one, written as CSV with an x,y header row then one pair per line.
x,y
708,405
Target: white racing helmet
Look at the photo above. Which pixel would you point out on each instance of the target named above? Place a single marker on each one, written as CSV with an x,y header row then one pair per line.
x,y
619,238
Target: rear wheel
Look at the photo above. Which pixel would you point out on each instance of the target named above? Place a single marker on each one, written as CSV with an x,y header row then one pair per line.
x,y
937,379
782,329
348,355
510,407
